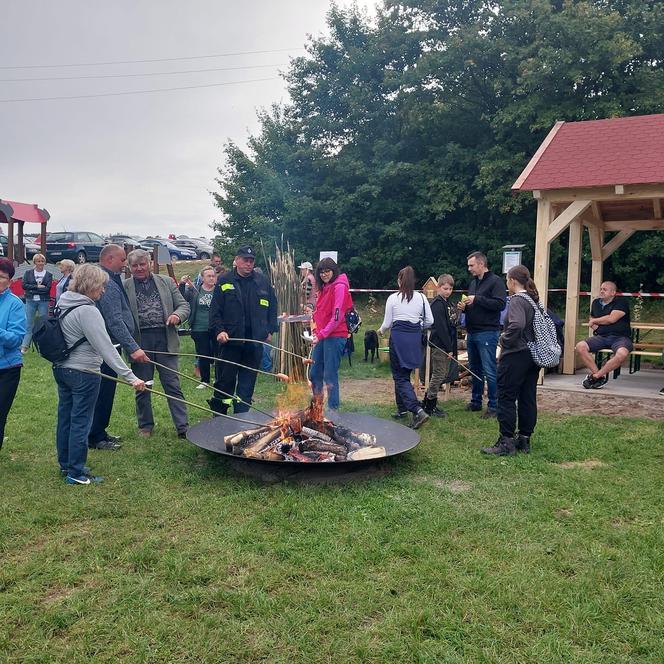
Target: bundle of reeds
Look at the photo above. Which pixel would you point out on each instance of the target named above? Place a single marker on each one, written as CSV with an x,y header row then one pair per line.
x,y
288,289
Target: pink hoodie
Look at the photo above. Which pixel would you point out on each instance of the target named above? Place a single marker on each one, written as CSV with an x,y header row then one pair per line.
x,y
334,300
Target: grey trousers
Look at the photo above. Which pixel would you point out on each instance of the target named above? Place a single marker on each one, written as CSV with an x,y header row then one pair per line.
x,y
440,368
155,340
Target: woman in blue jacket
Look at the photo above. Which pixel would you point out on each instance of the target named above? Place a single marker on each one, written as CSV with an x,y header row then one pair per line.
x,y
12,329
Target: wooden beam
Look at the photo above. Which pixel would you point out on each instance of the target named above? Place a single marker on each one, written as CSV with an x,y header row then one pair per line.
x,y
616,242
564,219
542,249
648,191
573,287
657,208
635,224
597,213
536,157
10,239
596,242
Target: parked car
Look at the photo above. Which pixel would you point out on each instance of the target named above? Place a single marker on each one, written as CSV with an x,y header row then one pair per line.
x,y
78,246
31,248
123,240
202,249
175,252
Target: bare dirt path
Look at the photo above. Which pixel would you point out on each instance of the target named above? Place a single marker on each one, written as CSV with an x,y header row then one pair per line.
x,y
380,391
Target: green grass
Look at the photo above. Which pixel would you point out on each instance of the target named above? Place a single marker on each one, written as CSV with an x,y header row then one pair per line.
x,y
450,557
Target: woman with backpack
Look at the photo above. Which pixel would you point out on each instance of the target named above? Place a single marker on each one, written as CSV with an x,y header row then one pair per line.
x,y
85,335
330,331
407,315
517,371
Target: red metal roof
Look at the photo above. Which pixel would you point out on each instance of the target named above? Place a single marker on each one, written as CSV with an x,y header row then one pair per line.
x,y
24,212
598,153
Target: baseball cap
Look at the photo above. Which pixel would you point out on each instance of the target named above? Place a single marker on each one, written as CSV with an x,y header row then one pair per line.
x,y
245,251
306,265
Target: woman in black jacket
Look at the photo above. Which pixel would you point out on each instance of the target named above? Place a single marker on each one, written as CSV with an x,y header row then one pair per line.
x,y
37,286
517,372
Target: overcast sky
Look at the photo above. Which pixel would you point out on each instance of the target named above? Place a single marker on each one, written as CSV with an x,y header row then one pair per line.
x,y
140,163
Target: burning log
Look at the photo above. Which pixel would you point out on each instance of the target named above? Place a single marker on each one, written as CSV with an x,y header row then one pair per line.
x,y
318,445
256,449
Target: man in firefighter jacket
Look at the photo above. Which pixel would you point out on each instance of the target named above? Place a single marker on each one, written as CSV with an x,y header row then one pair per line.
x,y
243,307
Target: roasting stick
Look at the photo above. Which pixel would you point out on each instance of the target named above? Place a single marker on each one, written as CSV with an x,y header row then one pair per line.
x,y
280,376
230,396
306,360
463,366
184,401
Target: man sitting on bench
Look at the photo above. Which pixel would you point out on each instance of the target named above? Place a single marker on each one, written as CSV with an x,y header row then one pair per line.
x,y
609,320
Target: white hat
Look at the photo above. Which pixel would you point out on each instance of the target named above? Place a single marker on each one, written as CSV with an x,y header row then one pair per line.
x,y
306,265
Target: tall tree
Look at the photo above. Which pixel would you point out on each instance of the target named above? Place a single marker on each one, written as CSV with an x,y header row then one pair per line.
x,y
404,132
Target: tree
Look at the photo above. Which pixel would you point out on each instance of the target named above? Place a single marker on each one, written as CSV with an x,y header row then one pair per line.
x,y
404,132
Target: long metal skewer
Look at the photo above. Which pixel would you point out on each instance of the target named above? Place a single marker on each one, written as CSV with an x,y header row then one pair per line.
x,y
280,376
463,366
168,396
306,360
226,394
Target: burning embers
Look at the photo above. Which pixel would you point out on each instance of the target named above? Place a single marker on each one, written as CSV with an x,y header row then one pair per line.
x,y
306,437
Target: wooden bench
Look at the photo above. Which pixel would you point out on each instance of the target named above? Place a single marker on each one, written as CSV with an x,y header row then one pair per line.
x,y
634,357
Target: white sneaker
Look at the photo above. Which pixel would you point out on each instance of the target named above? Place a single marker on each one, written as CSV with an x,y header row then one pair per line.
x,y
201,386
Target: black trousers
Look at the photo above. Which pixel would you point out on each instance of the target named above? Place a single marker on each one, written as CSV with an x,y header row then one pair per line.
x,y
517,393
234,380
9,379
206,344
103,407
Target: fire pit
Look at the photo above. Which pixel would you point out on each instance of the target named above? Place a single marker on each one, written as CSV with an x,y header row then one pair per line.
x,y
351,441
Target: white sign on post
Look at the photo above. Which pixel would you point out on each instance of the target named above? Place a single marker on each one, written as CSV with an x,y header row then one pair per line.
x,y
511,259
329,254
163,256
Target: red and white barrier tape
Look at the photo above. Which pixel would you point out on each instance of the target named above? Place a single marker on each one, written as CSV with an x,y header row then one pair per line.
x,y
551,290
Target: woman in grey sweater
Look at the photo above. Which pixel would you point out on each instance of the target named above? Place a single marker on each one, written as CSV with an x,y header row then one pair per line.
x,y
77,388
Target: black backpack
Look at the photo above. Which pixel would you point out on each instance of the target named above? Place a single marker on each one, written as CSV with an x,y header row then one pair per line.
x,y
50,340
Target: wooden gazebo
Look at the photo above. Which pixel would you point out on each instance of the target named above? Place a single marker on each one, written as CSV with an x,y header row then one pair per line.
x,y
15,215
605,175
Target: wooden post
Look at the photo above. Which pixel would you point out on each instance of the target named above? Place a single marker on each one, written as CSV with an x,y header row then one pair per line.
x,y
573,287
283,326
21,247
10,239
427,363
542,249
596,242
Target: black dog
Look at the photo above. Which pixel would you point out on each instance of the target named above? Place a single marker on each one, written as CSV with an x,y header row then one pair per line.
x,y
370,344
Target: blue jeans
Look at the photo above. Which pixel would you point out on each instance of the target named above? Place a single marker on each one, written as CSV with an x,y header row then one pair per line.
x,y
32,309
482,361
325,369
77,395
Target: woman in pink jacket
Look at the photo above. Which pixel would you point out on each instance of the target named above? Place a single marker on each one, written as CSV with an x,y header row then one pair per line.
x,y
331,332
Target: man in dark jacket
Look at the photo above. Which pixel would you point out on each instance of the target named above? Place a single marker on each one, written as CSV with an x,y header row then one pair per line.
x,y
114,307
486,299
243,307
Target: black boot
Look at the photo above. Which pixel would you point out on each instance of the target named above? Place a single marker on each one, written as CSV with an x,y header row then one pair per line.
x,y
504,447
400,414
419,418
218,406
522,443
432,408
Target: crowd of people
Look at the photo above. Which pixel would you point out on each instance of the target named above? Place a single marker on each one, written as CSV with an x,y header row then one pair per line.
x,y
232,316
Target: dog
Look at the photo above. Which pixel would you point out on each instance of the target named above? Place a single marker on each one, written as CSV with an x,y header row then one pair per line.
x,y
370,345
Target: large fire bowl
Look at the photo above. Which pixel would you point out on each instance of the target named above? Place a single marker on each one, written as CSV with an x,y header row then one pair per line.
x,y
393,437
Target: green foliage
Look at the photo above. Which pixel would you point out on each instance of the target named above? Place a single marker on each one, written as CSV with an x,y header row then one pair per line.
x,y
448,557
406,131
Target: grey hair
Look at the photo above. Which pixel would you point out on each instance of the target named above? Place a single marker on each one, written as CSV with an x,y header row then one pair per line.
x,y
66,263
137,255
87,279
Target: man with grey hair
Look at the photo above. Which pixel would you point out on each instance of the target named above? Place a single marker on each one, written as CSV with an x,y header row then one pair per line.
x,y
158,308
114,307
487,297
609,321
